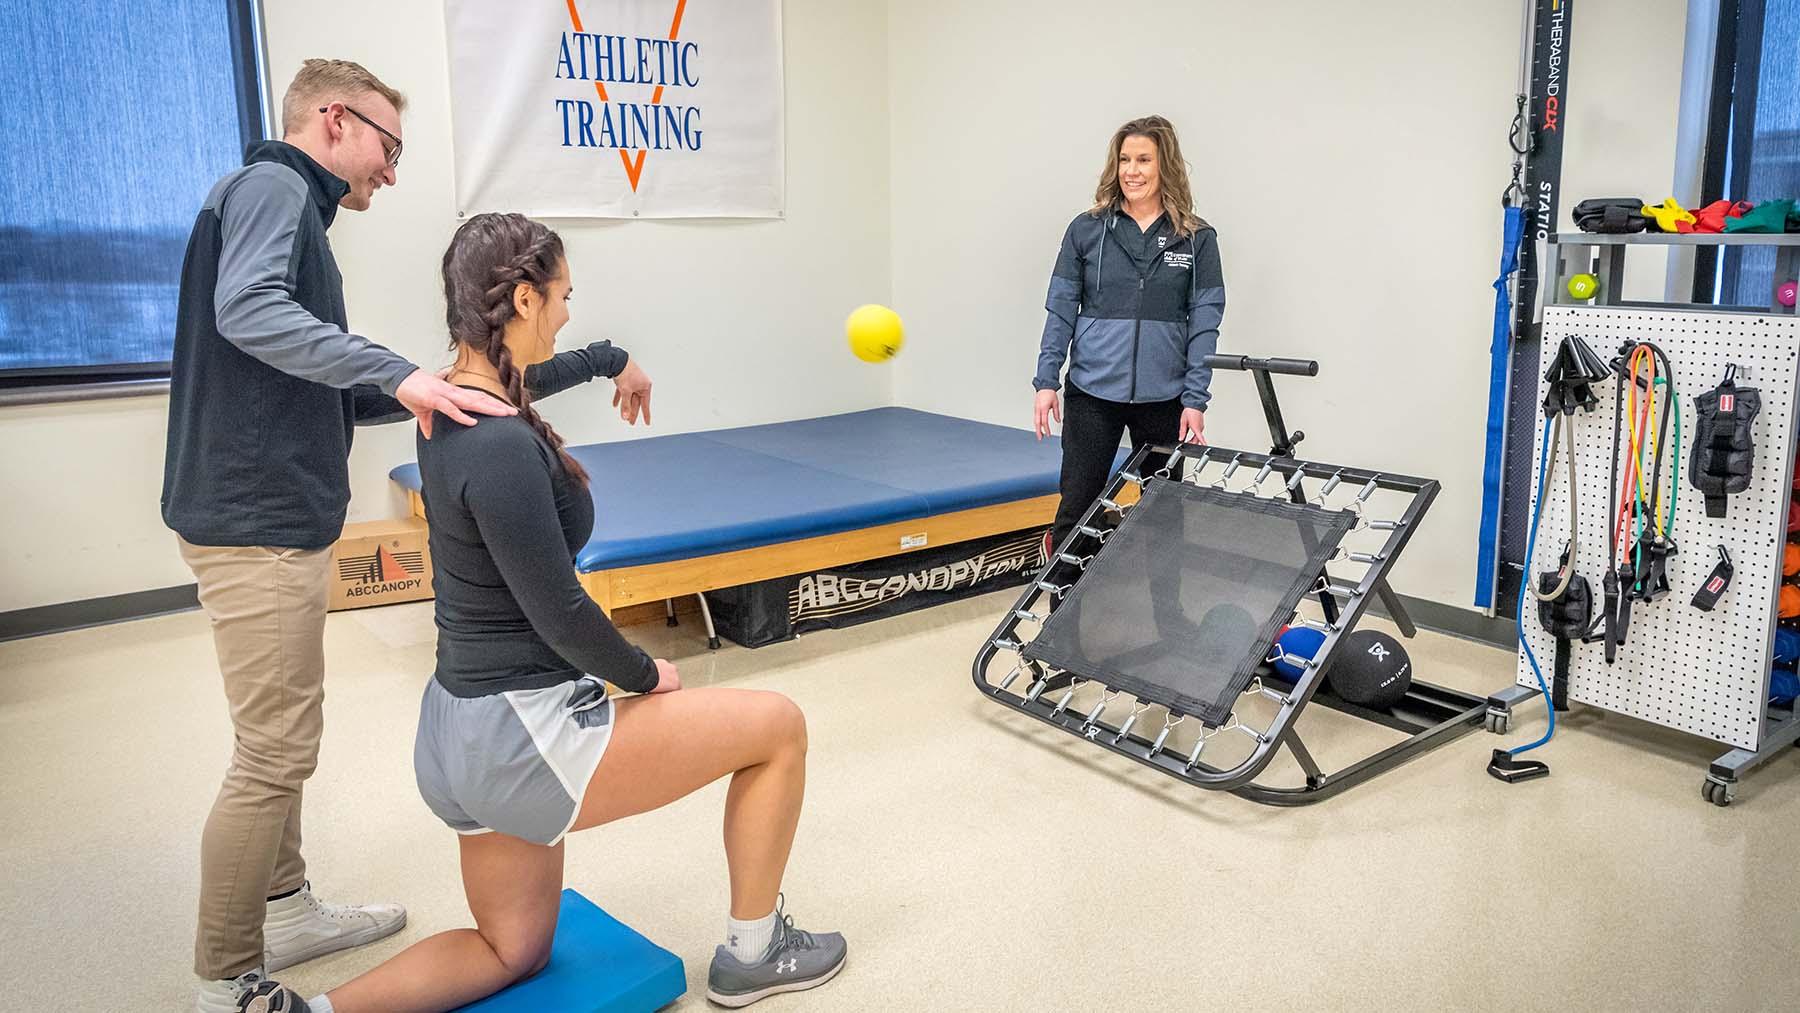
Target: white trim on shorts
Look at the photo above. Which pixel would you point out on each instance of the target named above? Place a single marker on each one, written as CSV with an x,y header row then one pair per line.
x,y
544,715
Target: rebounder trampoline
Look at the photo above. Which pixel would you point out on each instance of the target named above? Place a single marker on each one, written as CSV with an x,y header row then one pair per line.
x,y
1166,602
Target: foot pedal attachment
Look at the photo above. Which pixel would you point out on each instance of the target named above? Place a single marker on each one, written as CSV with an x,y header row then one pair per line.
x,y
1707,598
1504,768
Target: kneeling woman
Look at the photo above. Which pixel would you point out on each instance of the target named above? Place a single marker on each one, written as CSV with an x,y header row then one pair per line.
x,y
518,742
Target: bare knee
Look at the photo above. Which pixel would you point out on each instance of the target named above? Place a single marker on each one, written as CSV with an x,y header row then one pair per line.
x,y
523,955
786,723
537,962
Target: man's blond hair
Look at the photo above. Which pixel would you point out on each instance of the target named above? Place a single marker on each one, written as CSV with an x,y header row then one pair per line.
x,y
324,81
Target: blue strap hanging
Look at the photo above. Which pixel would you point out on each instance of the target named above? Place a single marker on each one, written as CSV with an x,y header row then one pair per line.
x,y
1499,361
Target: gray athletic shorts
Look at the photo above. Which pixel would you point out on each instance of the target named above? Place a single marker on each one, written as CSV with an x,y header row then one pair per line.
x,y
516,762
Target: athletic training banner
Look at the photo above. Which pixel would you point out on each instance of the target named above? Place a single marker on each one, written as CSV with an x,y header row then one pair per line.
x,y
617,108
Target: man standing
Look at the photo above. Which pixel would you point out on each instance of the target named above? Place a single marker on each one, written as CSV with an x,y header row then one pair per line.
x,y
267,386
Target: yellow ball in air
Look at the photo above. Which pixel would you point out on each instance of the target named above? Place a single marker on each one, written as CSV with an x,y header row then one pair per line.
x,y
875,333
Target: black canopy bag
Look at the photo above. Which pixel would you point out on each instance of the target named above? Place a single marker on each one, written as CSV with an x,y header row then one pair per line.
x,y
1611,215
1723,451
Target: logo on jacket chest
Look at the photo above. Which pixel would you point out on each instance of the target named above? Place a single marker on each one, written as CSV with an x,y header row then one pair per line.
x,y
1180,261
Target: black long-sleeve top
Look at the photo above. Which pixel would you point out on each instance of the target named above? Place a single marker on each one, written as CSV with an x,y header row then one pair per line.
x,y
505,524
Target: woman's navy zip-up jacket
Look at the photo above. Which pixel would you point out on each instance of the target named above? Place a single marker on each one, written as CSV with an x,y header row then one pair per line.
x,y
1135,325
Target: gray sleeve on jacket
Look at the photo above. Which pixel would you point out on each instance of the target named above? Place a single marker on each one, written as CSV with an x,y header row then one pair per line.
x,y
254,303
1206,310
1063,305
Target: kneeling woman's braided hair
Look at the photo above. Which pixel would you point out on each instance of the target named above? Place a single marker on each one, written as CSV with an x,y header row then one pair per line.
x,y
488,258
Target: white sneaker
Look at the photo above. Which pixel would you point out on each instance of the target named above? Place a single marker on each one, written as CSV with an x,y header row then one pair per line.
x,y
301,927
222,996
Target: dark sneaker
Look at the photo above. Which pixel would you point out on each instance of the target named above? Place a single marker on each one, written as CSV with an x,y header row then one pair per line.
x,y
795,961
271,997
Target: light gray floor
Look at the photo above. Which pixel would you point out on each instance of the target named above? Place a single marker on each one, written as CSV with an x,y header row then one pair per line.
x,y
974,858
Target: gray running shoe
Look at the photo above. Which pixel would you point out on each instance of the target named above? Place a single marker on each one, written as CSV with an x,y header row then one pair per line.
x,y
795,961
271,997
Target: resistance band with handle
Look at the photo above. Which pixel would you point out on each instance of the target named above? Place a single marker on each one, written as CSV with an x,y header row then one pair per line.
x,y
1505,764
1637,566
1565,598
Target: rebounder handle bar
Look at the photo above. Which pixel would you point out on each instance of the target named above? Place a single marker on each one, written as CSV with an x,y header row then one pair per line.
x,y
1281,441
1293,367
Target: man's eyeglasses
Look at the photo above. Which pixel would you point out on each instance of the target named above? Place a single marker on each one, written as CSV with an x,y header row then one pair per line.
x,y
393,153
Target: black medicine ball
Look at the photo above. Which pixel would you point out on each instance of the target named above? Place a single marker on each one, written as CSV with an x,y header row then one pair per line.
x,y
1370,668
1222,633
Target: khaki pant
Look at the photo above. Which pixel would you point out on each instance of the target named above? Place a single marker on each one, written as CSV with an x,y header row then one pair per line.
x,y
267,608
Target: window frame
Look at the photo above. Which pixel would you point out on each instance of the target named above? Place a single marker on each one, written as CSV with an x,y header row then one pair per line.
x,y
1730,136
51,384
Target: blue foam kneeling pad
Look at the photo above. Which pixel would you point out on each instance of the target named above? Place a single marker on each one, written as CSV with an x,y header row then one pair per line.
x,y
597,963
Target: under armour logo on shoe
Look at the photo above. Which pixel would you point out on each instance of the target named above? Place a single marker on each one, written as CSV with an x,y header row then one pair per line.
x,y
786,966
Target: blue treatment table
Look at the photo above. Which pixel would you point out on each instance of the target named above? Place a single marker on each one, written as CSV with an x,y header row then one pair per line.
x,y
680,515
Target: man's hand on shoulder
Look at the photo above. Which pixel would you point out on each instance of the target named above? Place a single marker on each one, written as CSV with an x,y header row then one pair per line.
x,y
422,393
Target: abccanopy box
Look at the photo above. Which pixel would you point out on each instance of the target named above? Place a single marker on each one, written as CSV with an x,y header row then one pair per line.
x,y
380,563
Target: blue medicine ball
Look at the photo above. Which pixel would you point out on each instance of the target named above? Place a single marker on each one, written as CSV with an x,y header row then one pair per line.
x,y
1784,686
1300,642
1787,647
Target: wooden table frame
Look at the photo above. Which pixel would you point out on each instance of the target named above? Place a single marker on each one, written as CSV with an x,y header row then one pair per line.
x,y
632,593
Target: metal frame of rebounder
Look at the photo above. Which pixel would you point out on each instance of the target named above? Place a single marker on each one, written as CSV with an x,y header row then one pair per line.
x,y
1430,715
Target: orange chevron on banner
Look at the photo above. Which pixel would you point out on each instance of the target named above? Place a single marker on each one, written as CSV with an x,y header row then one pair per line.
x,y
634,167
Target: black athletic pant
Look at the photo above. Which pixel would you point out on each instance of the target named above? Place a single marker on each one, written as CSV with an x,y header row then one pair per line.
x,y
1091,430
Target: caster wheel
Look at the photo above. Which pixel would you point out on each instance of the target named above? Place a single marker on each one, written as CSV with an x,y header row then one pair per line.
x,y
1499,722
1719,793
712,643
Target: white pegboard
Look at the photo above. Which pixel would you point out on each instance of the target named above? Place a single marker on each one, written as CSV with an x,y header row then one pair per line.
x,y
1701,672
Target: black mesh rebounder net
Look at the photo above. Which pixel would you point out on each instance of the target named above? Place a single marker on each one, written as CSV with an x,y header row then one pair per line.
x,y
1184,599
1154,629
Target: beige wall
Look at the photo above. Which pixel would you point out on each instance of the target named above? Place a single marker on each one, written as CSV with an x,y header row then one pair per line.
x,y
1349,154
1351,157
738,322
80,515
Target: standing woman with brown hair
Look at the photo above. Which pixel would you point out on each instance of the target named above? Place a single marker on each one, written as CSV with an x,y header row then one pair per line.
x,y
1134,308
